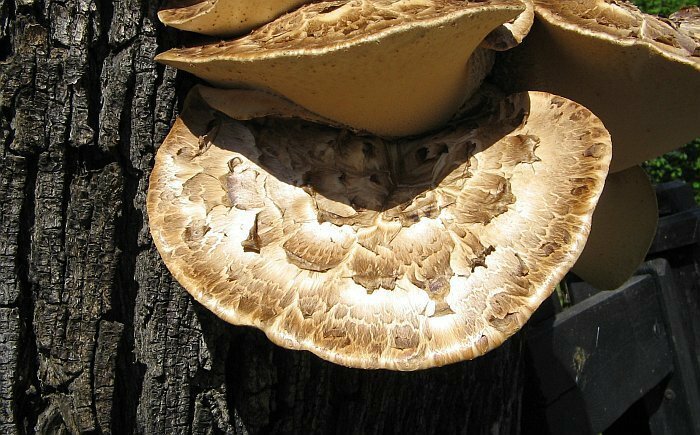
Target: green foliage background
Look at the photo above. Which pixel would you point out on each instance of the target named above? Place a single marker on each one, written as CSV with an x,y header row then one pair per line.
x,y
663,7
683,164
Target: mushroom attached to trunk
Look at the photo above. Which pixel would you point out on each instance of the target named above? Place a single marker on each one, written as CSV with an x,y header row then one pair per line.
x,y
639,74
374,253
393,68
223,17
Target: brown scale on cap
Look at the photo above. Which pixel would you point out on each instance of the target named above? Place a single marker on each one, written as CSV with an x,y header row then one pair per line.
x,y
223,17
619,19
687,19
374,253
639,73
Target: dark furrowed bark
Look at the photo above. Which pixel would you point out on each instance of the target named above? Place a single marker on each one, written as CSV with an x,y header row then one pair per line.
x,y
95,334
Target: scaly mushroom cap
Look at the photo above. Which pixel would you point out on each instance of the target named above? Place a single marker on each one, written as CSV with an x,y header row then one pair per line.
x,y
512,33
623,227
687,19
639,74
223,17
393,68
373,253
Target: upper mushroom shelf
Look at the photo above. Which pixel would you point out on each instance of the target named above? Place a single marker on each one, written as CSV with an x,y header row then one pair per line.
x,y
393,68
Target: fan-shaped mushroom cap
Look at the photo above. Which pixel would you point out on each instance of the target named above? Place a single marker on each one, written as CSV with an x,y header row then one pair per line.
x,y
639,74
687,19
223,17
373,253
390,67
512,33
623,227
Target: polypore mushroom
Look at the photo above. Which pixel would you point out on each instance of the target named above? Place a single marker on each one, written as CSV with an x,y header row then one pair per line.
x,y
687,19
389,67
223,17
623,227
375,253
639,74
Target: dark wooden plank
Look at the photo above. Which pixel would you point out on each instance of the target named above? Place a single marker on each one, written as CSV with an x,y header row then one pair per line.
x,y
599,357
674,196
676,231
546,311
579,291
682,405
660,417
678,241
686,275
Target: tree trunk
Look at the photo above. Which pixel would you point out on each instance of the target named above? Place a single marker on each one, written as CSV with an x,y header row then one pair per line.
x,y
95,334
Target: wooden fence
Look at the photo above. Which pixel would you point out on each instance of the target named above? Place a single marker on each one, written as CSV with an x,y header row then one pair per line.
x,y
624,361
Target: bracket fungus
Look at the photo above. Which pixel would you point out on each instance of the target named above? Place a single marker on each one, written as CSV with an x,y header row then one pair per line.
x,y
375,253
393,68
363,189
687,20
638,73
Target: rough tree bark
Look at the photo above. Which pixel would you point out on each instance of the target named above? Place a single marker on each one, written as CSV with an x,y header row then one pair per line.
x,y
95,335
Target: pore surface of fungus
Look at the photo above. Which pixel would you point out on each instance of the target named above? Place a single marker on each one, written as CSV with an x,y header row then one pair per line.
x,y
373,253
245,104
393,68
639,74
223,17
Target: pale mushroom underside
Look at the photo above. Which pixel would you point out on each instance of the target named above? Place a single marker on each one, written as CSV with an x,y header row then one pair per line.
x,y
622,229
373,253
